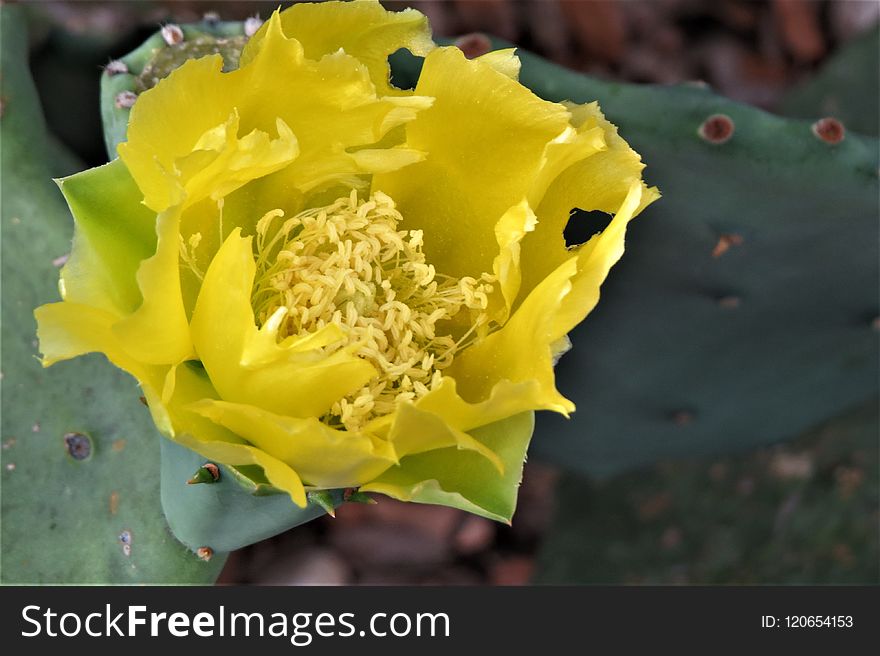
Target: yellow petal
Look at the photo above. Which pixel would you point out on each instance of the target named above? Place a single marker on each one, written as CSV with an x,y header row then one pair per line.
x,y
507,398
475,170
109,242
215,442
363,29
329,105
573,145
600,182
67,330
504,61
288,381
379,160
595,259
221,162
263,348
465,479
559,286
550,310
158,331
520,352
415,431
167,121
321,456
509,232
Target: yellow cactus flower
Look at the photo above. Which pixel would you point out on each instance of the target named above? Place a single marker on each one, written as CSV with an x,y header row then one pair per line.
x,y
344,283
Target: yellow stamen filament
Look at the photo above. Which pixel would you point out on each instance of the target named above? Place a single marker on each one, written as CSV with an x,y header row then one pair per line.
x,y
188,254
348,264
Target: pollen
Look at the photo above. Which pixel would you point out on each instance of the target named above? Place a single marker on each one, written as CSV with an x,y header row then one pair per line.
x,y
350,265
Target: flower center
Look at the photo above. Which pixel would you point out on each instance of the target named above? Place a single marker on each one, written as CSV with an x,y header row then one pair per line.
x,y
348,264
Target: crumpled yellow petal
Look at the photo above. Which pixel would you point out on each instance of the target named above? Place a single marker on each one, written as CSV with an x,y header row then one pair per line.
x,y
549,311
321,456
531,330
263,348
221,162
226,339
476,169
363,29
465,479
158,331
166,123
330,106
107,251
595,259
509,232
474,195
559,286
505,399
575,144
600,182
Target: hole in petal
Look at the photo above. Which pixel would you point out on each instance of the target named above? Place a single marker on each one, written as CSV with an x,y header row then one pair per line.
x,y
583,224
405,69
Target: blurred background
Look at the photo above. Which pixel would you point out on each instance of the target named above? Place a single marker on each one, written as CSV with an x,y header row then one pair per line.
x,y
801,512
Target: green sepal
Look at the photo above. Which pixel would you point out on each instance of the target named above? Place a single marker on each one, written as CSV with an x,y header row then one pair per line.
x,y
324,499
207,473
355,496
465,479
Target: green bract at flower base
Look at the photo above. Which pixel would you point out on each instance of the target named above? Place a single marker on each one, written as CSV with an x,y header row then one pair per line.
x,y
336,283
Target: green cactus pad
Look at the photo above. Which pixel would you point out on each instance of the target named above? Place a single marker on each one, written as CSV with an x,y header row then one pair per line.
x,y
697,351
847,88
80,454
800,514
225,516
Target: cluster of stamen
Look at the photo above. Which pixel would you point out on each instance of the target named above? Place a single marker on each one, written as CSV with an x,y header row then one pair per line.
x,y
347,264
